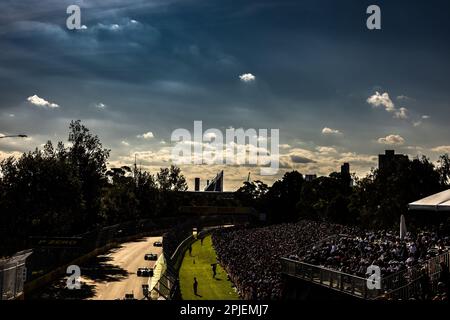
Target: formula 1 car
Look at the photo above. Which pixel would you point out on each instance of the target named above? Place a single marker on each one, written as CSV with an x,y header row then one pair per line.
x,y
151,257
145,272
157,244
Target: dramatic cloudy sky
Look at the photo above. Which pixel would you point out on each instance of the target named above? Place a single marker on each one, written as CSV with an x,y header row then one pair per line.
x,y
141,68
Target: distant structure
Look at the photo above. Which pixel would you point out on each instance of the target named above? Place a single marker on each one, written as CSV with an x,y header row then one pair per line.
x,y
388,158
310,177
345,169
197,184
216,185
345,174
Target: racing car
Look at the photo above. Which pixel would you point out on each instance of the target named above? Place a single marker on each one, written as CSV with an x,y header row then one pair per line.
x,y
151,257
145,272
157,244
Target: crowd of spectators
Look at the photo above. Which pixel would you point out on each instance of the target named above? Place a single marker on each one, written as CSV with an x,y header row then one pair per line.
x,y
251,256
353,253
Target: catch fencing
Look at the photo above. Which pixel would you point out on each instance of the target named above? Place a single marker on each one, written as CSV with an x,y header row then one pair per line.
x,y
403,285
13,275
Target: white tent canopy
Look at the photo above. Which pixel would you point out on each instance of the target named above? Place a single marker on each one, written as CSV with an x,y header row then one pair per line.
x,y
436,202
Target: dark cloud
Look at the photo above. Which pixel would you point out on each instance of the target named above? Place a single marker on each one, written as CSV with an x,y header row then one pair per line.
x,y
300,159
161,64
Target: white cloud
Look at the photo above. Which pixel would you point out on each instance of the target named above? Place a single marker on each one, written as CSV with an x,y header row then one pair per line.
x,y
441,149
419,122
414,148
329,131
100,105
326,150
402,113
125,143
392,139
383,100
40,102
247,77
378,100
118,27
147,135
404,98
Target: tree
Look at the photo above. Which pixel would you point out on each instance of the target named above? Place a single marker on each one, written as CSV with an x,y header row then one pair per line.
x,y
283,197
444,170
63,191
252,194
147,193
171,179
88,161
39,194
383,195
119,200
327,198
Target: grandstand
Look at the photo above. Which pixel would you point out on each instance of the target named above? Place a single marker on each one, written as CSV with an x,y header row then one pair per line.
x,y
216,185
403,285
316,260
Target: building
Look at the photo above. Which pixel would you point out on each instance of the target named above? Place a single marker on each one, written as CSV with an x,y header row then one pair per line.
x,y
389,158
197,184
310,177
345,170
345,174
216,185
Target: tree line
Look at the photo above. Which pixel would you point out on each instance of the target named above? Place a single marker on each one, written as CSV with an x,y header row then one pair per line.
x,y
67,190
375,201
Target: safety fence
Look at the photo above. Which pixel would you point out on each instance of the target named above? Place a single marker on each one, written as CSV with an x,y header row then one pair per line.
x,y
52,255
166,286
346,283
51,252
403,285
13,275
409,283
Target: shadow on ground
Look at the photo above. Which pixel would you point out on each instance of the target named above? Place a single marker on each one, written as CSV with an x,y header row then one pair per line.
x,y
98,269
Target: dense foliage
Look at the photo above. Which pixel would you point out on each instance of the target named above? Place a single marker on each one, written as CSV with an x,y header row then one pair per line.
x,y
376,200
67,190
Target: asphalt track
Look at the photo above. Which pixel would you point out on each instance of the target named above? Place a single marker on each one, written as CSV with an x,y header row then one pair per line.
x,y
127,258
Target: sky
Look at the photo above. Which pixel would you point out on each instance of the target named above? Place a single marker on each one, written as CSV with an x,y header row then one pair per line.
x,y
139,69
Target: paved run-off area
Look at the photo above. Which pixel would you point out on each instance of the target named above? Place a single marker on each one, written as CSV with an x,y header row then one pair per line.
x,y
199,265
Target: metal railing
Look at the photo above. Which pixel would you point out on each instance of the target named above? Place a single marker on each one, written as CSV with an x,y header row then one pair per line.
x,y
13,275
165,284
340,281
407,284
402,285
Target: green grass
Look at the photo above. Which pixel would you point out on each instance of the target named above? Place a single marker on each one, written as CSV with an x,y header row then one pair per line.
x,y
208,287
